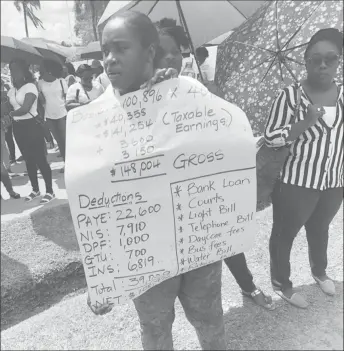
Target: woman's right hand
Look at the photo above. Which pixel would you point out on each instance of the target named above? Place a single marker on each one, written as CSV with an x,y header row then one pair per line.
x,y
314,112
99,311
159,76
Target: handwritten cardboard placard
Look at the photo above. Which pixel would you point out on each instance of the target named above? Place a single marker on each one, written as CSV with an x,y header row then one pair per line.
x,y
159,183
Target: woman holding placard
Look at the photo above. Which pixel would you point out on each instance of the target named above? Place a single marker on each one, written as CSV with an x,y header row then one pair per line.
x,y
129,43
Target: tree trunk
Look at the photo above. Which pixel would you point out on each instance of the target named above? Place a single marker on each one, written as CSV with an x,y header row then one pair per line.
x,y
25,20
94,21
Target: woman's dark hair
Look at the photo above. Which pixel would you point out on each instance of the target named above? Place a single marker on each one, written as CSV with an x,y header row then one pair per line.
x,y
332,35
28,76
82,69
70,68
142,25
202,51
168,26
53,67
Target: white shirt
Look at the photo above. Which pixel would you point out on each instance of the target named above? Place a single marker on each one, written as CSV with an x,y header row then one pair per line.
x,y
207,72
207,69
72,78
330,115
84,96
103,80
17,97
54,94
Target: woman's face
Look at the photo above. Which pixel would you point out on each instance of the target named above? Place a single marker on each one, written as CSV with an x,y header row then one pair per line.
x,y
171,54
322,62
127,63
86,79
17,73
64,72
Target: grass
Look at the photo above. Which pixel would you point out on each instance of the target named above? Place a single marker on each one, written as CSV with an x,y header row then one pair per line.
x,y
33,256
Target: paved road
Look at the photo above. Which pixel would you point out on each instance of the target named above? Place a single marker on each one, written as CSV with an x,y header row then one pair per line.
x,y
69,325
11,208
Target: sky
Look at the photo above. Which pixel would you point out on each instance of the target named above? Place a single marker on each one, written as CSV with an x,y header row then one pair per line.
x,y
57,17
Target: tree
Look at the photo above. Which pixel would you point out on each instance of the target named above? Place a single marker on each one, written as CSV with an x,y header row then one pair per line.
x,y
29,8
87,14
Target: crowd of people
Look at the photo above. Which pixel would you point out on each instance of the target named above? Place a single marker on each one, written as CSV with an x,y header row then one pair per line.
x,y
306,117
34,112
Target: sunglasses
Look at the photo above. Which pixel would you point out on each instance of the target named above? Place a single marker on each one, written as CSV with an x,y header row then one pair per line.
x,y
330,60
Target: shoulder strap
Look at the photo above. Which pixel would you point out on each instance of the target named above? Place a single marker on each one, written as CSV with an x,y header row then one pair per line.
x,y
63,92
85,92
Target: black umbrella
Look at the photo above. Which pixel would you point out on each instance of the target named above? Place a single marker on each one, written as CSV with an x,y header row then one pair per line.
x,y
13,48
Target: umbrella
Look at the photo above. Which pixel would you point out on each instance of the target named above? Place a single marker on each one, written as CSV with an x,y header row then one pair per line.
x,y
219,39
265,54
13,48
46,50
202,20
91,51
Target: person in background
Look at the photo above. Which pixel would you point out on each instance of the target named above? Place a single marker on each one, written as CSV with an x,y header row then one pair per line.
x,y
308,118
172,40
84,92
5,162
69,72
100,75
41,112
27,129
9,131
199,290
202,55
53,90
97,68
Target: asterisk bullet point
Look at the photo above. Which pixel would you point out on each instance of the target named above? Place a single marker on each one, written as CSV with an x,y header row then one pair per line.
x,y
178,190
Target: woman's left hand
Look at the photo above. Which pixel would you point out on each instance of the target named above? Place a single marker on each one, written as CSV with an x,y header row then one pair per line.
x,y
159,76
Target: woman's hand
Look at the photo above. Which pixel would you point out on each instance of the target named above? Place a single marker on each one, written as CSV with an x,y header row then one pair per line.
x,y
99,311
314,112
159,76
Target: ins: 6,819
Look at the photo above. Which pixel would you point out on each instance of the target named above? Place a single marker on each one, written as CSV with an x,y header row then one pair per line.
x,y
141,263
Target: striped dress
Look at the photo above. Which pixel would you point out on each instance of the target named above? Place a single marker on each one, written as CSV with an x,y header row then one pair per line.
x,y
315,159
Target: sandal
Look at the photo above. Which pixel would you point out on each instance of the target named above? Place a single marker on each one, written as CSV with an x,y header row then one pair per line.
x,y
32,196
296,299
47,198
260,299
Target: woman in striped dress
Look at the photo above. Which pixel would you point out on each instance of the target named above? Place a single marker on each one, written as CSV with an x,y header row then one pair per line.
x,y
310,190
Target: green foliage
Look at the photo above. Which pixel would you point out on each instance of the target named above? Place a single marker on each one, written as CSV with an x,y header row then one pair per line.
x,y
87,14
28,8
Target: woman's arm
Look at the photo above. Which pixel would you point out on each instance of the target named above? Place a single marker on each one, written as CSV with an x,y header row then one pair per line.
x,y
279,132
73,104
71,97
26,107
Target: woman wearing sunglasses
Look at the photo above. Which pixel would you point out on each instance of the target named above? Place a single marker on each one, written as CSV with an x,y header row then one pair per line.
x,y
308,118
